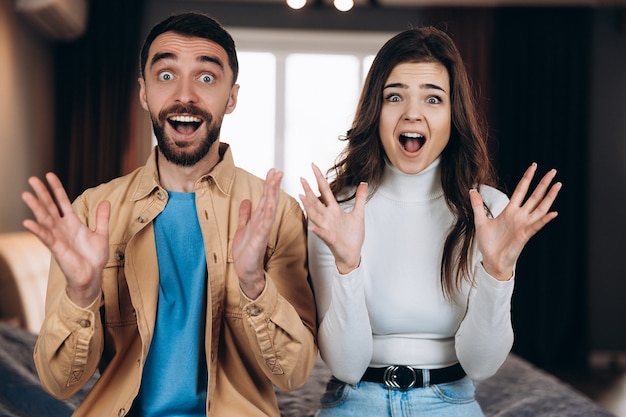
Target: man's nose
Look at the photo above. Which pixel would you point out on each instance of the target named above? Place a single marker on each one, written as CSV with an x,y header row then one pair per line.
x,y
186,92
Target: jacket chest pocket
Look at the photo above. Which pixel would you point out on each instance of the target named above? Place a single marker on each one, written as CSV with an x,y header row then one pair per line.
x,y
118,308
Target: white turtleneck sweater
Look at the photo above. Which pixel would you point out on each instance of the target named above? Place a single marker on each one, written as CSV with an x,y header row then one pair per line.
x,y
391,309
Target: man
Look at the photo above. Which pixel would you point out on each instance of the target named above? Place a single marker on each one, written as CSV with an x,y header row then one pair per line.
x,y
184,282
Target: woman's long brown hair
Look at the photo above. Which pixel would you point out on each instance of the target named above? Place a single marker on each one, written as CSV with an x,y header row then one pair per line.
x,y
465,162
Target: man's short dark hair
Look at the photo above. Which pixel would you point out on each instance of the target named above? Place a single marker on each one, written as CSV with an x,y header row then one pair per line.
x,y
193,24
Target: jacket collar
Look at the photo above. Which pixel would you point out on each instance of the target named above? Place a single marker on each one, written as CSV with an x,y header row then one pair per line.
x,y
223,174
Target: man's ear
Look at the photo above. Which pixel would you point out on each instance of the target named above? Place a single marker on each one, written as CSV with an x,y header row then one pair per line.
x,y
232,99
142,93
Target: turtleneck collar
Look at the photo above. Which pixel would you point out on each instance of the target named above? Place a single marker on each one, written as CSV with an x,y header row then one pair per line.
x,y
412,188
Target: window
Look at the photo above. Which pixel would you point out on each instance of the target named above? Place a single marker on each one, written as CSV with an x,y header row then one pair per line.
x,y
298,94
250,129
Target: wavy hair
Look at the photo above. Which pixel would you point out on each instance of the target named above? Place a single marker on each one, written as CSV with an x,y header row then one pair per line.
x,y
465,161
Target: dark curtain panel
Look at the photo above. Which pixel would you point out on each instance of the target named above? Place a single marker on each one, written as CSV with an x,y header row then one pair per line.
x,y
541,83
531,71
95,78
472,32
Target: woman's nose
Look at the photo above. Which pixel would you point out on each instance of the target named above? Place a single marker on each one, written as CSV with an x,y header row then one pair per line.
x,y
413,110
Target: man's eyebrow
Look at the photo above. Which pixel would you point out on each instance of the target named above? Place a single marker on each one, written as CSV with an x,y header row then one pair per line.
x,y
211,59
425,86
160,56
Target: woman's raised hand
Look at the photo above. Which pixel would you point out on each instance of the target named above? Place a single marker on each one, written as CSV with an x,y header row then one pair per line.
x,y
343,232
502,239
81,253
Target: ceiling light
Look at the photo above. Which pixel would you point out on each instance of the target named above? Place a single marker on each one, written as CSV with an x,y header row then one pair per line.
x,y
296,4
343,5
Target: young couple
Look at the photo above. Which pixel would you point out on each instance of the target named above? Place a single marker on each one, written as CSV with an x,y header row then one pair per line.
x,y
185,283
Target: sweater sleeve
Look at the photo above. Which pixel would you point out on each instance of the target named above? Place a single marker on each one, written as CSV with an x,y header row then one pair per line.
x,y
345,333
485,336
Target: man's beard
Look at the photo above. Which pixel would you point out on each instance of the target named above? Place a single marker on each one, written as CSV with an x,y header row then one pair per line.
x,y
175,152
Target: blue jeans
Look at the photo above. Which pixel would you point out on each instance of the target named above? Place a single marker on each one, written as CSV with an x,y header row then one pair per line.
x,y
453,399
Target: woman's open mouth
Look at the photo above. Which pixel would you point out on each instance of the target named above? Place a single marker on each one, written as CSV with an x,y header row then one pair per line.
x,y
412,142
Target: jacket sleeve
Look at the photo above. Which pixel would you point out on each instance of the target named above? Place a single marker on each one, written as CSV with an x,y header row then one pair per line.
x,y
70,343
280,323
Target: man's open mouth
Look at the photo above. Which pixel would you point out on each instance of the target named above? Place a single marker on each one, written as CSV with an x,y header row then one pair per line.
x,y
185,125
412,142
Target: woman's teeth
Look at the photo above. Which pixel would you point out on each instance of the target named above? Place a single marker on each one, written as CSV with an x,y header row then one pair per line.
x,y
412,142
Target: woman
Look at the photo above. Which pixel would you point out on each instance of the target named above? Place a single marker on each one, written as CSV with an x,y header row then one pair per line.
x,y
412,251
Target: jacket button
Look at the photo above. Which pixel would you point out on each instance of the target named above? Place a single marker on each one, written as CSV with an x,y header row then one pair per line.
x,y
121,412
160,195
85,323
119,256
255,311
141,219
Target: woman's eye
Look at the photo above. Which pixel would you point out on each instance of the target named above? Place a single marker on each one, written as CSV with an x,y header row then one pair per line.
x,y
206,78
165,76
392,97
433,100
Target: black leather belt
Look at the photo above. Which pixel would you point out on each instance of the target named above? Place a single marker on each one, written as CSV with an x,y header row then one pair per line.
x,y
404,377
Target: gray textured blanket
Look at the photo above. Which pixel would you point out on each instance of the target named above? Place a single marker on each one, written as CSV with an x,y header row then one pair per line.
x,y
517,390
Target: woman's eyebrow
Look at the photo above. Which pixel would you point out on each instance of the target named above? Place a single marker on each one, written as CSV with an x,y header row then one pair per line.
x,y
396,85
425,86
428,86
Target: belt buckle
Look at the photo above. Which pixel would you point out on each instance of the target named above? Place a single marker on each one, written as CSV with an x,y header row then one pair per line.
x,y
399,377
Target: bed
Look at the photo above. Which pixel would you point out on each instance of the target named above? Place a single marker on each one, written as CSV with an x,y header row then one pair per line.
x,y
518,389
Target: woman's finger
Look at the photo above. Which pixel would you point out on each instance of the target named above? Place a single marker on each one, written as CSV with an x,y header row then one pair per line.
x,y
519,194
322,185
539,193
478,207
360,199
546,203
310,201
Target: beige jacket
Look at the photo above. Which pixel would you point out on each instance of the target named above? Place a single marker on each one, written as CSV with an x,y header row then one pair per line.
x,y
250,345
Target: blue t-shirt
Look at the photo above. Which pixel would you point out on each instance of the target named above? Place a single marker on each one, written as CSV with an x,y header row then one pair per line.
x,y
174,381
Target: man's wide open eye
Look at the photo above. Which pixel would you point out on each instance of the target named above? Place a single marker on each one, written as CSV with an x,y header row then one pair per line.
x,y
165,76
206,78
